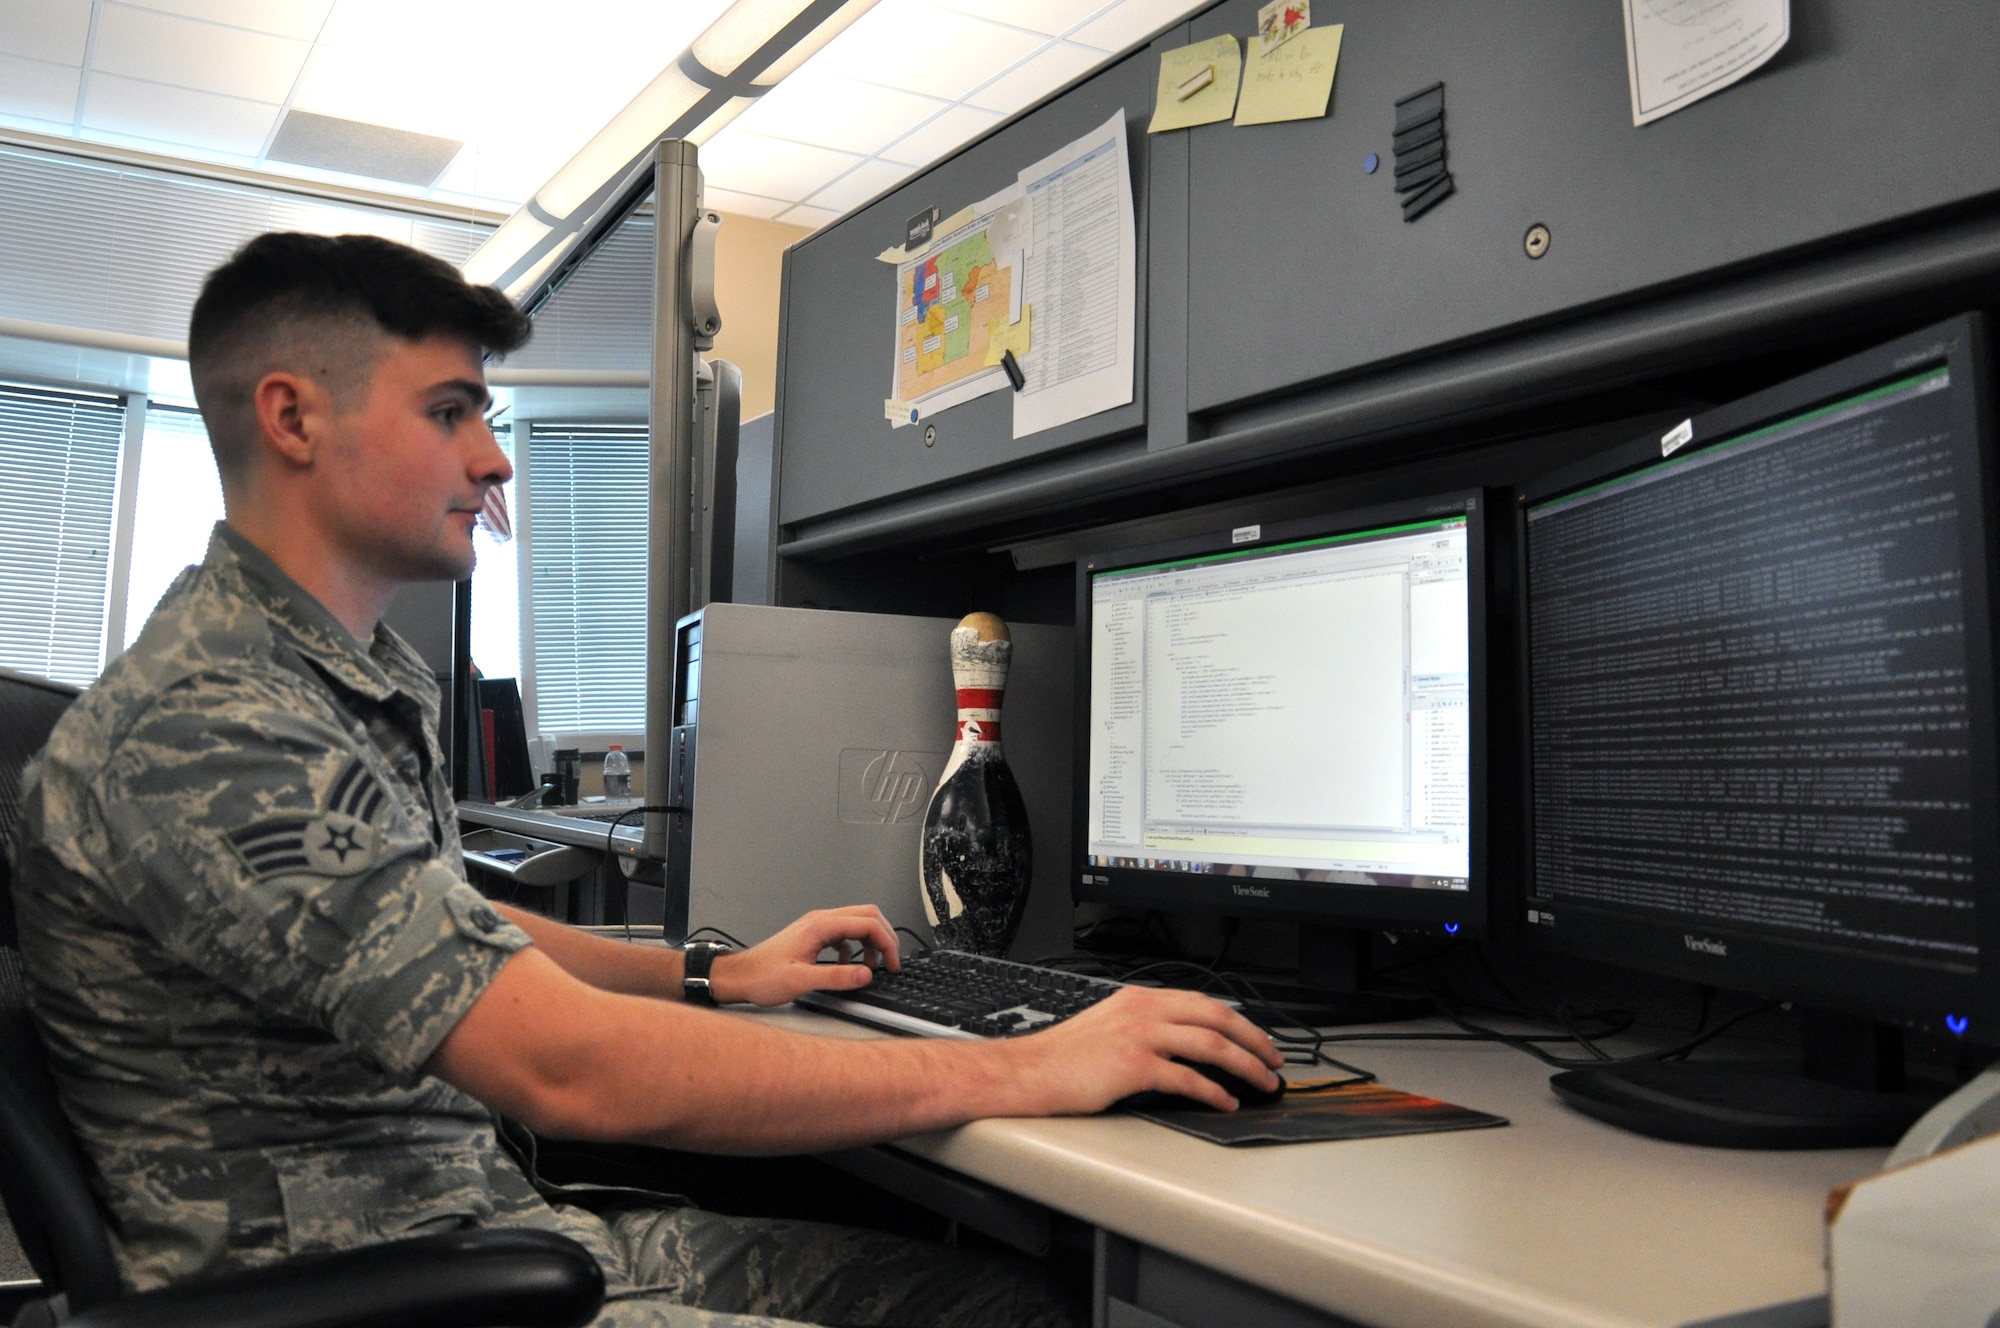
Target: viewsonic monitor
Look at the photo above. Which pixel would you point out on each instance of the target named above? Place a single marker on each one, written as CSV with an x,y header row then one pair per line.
x,y
1759,707
1288,721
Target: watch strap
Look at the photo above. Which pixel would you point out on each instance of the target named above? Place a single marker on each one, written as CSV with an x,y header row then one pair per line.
x,y
697,960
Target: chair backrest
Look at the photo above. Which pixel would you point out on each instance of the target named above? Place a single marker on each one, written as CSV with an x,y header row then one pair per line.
x,y
29,708
42,1178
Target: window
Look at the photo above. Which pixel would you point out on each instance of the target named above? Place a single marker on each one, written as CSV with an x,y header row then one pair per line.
x,y
586,537
179,502
58,486
496,589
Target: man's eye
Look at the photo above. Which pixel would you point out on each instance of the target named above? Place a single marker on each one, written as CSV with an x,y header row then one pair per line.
x,y
448,415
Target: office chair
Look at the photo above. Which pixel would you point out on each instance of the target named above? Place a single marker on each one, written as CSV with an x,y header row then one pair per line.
x,y
460,1279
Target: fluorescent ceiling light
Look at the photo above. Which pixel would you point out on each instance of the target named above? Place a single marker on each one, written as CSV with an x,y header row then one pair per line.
x,y
752,45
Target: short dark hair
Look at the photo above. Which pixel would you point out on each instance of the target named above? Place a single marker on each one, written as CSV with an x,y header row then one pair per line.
x,y
330,299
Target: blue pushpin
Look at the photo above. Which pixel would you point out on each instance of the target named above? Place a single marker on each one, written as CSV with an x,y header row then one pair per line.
x,y
913,414
1370,163
1957,1023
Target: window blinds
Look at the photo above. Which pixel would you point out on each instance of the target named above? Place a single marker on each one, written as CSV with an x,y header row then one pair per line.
x,y
601,317
58,486
587,497
124,248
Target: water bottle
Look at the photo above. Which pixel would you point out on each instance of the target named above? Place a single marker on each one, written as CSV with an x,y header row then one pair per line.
x,y
617,774
976,859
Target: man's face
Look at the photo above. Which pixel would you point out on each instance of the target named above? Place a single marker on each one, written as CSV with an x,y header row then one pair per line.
x,y
409,462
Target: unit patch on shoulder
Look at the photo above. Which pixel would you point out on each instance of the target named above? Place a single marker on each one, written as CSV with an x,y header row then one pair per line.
x,y
337,842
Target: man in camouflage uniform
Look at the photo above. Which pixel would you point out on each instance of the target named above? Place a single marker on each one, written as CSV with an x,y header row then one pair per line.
x,y
276,1012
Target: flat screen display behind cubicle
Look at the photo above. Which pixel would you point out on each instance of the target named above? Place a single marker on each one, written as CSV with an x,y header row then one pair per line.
x,y
1288,721
1759,694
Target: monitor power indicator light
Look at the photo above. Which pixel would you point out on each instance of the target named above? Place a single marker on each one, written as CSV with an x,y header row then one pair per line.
x,y
1451,929
1957,1023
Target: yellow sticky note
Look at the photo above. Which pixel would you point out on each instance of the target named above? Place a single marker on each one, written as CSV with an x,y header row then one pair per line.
x,y
1221,59
1003,336
1293,81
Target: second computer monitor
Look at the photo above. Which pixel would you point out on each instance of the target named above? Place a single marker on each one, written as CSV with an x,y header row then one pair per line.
x,y
1288,720
1759,678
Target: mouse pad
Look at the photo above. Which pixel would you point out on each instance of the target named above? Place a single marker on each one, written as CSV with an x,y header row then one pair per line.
x,y
1357,1111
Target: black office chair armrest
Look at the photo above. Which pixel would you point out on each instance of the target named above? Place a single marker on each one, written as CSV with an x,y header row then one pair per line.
x,y
462,1279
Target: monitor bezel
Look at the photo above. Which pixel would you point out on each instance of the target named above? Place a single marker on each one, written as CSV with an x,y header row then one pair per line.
x,y
1843,979
1463,914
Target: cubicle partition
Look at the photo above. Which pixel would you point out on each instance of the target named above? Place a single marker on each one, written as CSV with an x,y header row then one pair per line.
x,y
839,451
1294,328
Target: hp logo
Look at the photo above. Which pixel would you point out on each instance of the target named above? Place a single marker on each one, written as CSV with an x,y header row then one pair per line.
x,y
886,787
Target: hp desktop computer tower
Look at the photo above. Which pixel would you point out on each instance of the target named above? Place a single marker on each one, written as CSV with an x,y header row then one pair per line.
x,y
806,744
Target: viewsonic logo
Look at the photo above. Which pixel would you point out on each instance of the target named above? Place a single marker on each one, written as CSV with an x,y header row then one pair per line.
x,y
1252,891
1703,945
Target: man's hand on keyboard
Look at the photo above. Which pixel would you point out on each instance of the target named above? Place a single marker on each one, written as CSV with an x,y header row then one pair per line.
x,y
785,966
1125,1044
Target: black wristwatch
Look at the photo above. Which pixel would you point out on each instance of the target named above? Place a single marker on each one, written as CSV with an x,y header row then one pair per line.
x,y
697,959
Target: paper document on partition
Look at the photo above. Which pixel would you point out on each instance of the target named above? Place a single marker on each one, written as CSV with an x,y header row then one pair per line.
x,y
1293,81
1679,51
956,297
1082,281
1198,84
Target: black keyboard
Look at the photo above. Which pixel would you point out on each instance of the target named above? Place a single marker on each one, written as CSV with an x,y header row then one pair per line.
x,y
953,994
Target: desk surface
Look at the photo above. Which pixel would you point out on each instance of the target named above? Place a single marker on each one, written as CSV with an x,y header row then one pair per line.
x,y
1554,1220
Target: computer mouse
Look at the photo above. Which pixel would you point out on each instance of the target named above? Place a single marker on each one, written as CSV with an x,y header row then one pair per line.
x,y
1246,1094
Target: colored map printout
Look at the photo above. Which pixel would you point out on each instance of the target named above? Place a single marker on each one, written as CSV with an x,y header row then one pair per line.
x,y
947,302
1046,268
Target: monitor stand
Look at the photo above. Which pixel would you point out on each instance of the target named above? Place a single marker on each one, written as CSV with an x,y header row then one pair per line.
x,y
1333,972
1850,1093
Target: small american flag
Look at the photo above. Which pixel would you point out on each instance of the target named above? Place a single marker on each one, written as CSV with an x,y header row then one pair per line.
x,y
493,515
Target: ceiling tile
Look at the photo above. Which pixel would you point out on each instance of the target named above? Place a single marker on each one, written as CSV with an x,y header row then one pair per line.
x,y
350,147
773,168
1044,73
187,53
37,90
832,112
742,205
54,30
401,86
494,176
386,87
584,46
811,218
859,185
956,53
299,19
1131,22
958,125
368,23
1050,17
176,115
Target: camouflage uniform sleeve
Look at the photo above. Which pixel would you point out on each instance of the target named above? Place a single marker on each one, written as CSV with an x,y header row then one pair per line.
x,y
265,843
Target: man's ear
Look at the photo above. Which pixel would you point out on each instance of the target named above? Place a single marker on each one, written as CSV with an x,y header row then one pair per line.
x,y
293,412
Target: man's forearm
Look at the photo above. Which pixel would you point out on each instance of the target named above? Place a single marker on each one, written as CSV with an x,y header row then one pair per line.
x,y
600,1065
738,1087
604,963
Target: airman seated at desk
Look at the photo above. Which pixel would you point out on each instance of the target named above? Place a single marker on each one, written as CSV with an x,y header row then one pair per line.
x,y
277,1014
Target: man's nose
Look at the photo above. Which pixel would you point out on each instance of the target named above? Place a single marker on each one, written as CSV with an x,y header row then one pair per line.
x,y
489,464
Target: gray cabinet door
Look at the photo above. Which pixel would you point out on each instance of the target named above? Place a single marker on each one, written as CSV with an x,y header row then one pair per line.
x,y
836,449
1301,269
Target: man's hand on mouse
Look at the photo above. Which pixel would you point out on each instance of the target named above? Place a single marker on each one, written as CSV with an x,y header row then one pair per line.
x,y
1126,1043
787,965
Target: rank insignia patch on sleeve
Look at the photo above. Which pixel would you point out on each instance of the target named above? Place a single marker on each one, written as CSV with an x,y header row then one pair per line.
x,y
338,842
